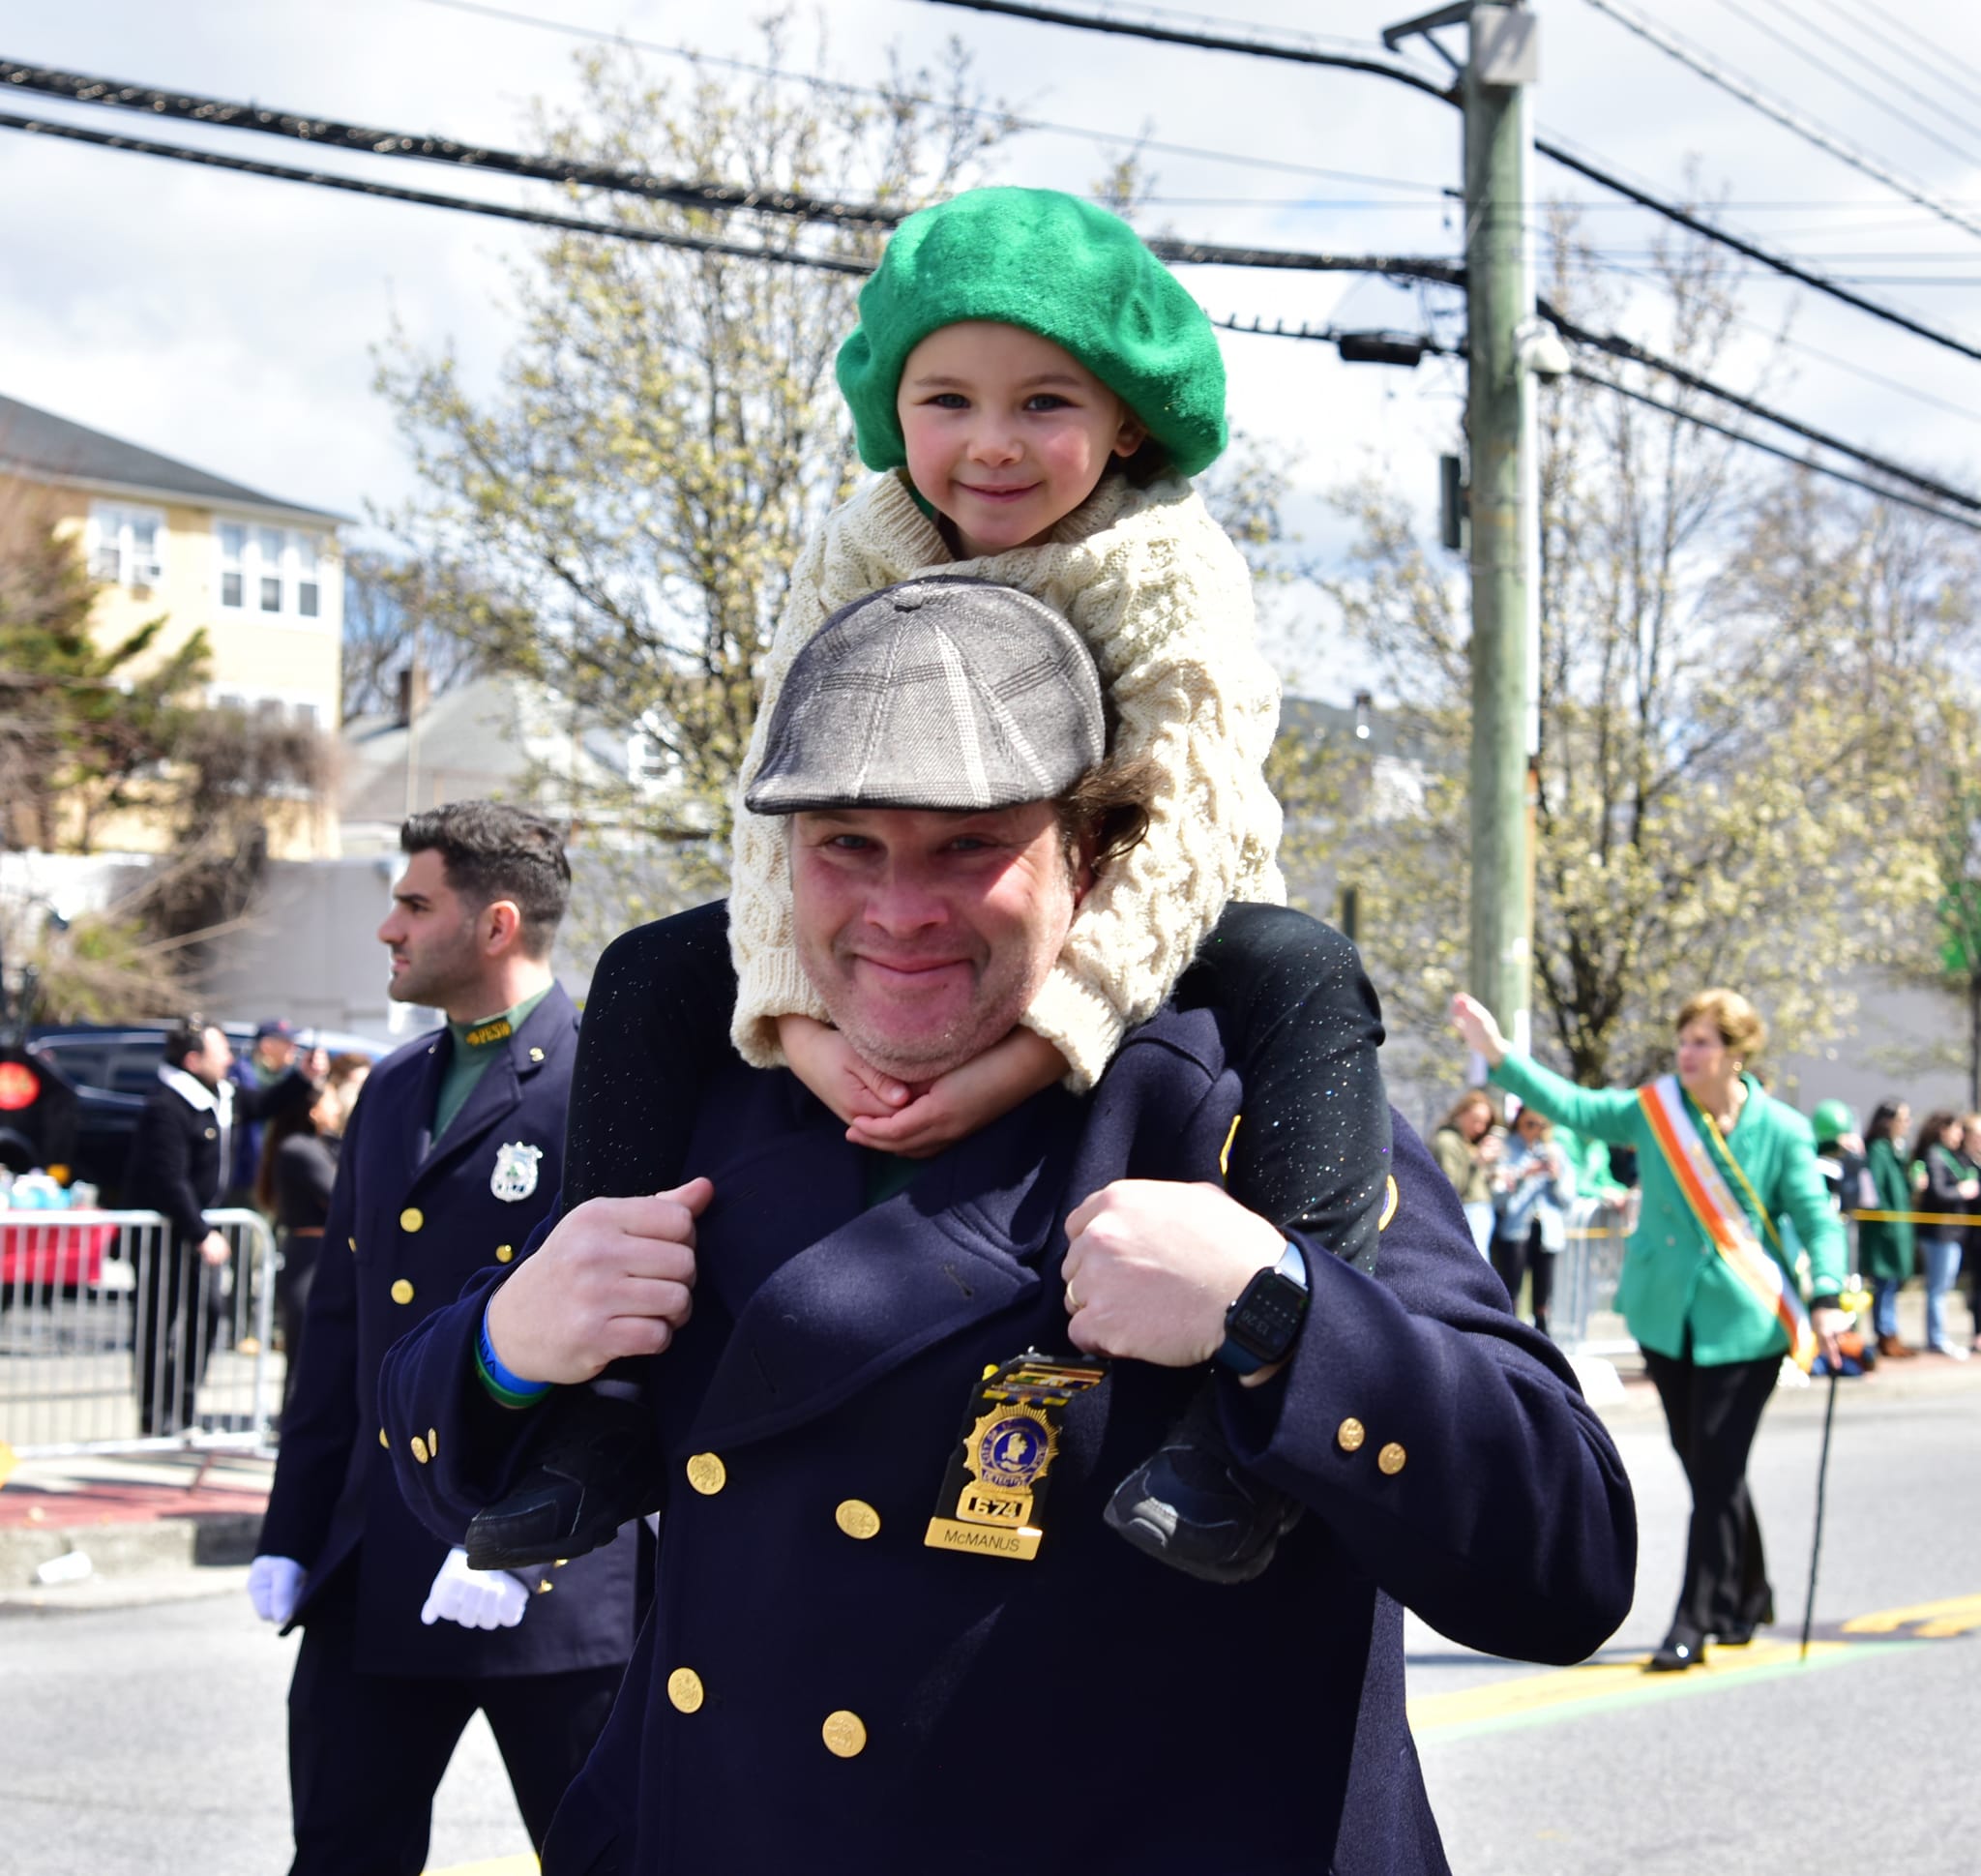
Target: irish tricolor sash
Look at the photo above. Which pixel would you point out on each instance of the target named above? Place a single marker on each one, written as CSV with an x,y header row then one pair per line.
x,y
1722,1216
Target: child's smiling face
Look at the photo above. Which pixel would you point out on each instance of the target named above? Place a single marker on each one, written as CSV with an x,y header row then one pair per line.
x,y
1007,434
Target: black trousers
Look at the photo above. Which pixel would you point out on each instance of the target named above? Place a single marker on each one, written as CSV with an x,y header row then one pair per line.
x,y
1712,1415
180,1316
367,1751
1515,1258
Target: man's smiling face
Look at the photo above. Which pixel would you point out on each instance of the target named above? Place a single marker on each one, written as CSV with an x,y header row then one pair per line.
x,y
928,933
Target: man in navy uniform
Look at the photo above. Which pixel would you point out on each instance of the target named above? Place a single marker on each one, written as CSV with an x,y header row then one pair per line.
x,y
452,1157
891,1630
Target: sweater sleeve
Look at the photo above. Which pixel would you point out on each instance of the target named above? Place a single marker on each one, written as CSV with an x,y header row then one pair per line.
x,y
1167,609
1609,1114
874,540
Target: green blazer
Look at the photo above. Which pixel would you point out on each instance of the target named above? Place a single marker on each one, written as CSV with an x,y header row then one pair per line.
x,y
1884,1249
1673,1279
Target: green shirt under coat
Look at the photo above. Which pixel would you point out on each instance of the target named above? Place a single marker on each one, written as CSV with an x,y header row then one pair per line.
x,y
1673,1277
1884,1246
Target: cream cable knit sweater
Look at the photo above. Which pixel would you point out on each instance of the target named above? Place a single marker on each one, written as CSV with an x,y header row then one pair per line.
x,y
1164,600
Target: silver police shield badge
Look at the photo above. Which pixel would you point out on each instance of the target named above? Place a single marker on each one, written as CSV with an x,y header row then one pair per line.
x,y
514,1175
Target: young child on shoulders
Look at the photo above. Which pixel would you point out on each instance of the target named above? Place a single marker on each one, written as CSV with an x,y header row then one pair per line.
x,y
1035,391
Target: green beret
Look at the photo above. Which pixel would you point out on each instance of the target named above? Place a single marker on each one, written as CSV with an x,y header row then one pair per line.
x,y
1061,268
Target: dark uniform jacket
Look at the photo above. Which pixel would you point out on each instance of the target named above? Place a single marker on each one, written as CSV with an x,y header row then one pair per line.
x,y
817,1690
409,1224
174,1166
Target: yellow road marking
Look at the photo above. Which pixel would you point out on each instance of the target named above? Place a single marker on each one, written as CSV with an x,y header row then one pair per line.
x,y
1952,1616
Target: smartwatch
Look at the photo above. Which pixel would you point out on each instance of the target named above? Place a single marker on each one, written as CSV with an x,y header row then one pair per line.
x,y
1259,1328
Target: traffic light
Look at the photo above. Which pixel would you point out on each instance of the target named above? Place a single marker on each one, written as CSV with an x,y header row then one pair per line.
x,y
37,1114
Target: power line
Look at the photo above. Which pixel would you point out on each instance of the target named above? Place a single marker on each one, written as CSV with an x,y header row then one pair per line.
x,y
1910,90
1773,262
426,199
1942,57
1847,79
1790,119
1557,153
1039,125
1186,253
1931,67
1768,448
1212,42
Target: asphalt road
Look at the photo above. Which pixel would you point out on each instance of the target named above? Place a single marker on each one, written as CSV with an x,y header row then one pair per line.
x,y
137,1740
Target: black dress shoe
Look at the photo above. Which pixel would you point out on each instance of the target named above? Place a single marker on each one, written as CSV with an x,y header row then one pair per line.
x,y
598,1465
1677,1652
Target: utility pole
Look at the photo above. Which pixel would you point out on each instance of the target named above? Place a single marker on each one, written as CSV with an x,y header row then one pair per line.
x,y
1505,519
1504,348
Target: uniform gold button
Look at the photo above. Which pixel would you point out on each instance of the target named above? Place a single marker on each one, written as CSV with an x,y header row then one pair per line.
x,y
844,1735
504,1252
536,1055
383,1440
353,1243
856,1518
1350,1434
707,1474
685,1690
434,1442
420,1451
401,1291
543,1588
411,1218
1390,1460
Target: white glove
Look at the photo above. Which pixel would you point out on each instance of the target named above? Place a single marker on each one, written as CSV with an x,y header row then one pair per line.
x,y
272,1586
473,1599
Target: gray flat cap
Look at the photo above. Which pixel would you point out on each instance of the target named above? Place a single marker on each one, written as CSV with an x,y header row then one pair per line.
x,y
938,693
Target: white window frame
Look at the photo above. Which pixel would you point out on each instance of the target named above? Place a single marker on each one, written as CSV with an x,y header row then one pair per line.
x,y
297,569
113,545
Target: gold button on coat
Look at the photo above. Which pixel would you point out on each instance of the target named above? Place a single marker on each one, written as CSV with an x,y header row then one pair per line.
x,y
353,1243
383,1440
1350,1434
411,1218
707,1474
401,1291
432,1442
685,1690
504,1252
1390,1460
844,1735
420,1451
857,1518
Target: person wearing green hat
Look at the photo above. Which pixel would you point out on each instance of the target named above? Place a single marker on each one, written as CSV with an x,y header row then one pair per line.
x,y
1034,391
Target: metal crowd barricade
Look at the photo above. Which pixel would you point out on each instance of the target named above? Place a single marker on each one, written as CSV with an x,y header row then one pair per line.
x,y
113,1339
1583,1315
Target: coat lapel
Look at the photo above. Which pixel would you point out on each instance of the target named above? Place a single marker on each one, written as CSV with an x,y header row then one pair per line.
x,y
827,1298
500,1091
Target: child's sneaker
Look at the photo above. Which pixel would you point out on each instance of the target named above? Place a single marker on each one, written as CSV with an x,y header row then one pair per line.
x,y
598,1465
1192,1506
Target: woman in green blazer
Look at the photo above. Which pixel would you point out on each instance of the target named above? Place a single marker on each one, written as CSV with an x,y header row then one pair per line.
x,y
1884,1245
1711,1339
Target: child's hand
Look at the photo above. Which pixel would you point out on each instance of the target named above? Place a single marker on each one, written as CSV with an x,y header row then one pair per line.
x,y
823,1060
955,1105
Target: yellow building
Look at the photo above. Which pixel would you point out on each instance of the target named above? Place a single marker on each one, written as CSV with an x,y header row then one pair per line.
x,y
263,578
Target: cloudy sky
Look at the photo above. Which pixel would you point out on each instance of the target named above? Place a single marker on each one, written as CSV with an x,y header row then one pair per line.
x,y
229,320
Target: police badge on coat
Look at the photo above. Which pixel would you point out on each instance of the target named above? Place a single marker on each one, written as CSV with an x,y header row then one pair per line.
x,y
515,1177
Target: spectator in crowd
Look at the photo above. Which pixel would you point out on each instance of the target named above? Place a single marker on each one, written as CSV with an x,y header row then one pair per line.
x,y
1708,1288
268,1060
1840,1157
179,1152
1532,1188
1466,1146
1970,1250
293,1186
1946,1187
1884,1245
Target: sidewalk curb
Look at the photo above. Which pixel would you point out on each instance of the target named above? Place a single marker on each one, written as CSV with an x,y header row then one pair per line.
x,y
147,1588
130,1547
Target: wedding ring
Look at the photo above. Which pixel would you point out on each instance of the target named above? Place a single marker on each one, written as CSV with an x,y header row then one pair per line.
x,y
1072,1302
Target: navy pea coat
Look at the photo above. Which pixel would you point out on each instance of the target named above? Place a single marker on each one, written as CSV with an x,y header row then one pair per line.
x,y
410,1222
817,1690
